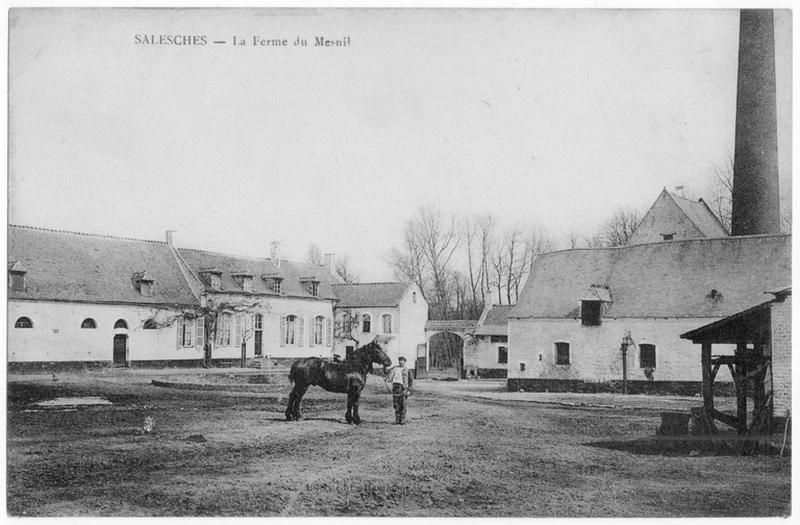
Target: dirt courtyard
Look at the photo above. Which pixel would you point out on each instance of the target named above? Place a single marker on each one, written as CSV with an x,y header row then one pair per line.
x,y
232,454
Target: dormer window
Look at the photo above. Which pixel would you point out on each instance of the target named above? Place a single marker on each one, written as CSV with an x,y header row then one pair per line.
x,y
311,284
244,280
212,277
274,281
16,276
592,305
144,283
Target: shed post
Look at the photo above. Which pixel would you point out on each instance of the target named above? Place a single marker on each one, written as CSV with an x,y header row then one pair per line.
x,y
708,381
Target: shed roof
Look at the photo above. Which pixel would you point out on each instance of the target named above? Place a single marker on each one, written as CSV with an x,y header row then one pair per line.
x,y
494,321
364,295
665,279
71,266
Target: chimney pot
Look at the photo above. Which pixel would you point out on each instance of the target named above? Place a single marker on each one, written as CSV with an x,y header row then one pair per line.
x,y
169,236
274,253
330,262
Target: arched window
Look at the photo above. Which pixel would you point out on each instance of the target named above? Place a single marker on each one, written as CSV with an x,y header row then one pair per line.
x,y
413,297
387,323
319,327
88,323
291,326
366,323
23,322
121,324
150,324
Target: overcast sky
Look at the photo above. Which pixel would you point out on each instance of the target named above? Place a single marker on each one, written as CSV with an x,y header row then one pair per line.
x,y
557,117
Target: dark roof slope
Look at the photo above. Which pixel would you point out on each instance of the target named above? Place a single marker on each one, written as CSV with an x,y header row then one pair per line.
x,y
495,322
69,266
665,279
229,265
363,295
701,216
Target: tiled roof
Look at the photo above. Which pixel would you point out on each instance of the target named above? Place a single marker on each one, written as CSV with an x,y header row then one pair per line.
x,y
69,266
364,295
232,265
701,216
495,322
665,279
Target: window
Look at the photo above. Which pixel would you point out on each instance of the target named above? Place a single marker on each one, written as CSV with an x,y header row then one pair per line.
x,y
17,281
150,324
314,288
562,353
88,323
225,330
247,283
291,323
185,332
499,338
121,324
413,297
146,288
522,367
387,324
502,355
258,322
647,356
668,236
277,283
319,327
366,324
590,313
23,322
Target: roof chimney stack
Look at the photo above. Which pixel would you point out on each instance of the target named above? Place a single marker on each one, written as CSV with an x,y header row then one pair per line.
x,y
275,252
756,207
330,262
169,236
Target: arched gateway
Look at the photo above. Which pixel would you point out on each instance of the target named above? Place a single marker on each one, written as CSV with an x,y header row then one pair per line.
x,y
444,341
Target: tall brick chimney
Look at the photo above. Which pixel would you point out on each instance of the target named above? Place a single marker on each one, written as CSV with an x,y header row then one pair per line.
x,y
756,206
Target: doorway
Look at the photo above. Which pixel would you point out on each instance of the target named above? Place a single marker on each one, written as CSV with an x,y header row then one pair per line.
x,y
120,350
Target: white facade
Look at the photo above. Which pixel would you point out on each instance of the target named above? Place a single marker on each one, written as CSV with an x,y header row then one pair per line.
x,y
594,351
57,336
408,320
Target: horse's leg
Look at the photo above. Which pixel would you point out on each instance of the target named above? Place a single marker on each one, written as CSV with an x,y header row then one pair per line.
x,y
349,414
290,407
298,412
356,397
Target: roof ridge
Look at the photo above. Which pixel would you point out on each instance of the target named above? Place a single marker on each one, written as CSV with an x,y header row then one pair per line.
x,y
84,234
373,282
252,257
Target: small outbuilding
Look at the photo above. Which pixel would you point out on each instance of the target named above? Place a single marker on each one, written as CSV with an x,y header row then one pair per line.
x,y
760,366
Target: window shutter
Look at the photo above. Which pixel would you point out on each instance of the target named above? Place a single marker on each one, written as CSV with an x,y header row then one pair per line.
x,y
283,330
328,331
300,328
179,331
200,335
312,331
237,330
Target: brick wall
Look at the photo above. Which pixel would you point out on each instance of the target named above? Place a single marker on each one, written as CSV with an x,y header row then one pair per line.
x,y
781,320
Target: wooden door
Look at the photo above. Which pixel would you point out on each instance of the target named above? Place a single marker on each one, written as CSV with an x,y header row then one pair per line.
x,y
120,350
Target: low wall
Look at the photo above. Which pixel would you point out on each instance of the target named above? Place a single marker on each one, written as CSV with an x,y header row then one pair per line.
x,y
680,388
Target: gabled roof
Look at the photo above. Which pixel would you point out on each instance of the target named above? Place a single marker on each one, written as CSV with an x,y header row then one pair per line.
x,y
494,320
230,266
701,216
70,266
664,279
365,295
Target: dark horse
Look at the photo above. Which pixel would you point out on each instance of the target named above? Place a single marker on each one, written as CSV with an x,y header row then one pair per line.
x,y
346,377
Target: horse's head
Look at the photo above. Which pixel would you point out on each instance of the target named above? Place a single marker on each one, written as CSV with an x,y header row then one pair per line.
x,y
378,355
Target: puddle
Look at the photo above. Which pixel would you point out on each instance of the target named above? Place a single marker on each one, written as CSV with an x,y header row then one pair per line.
x,y
70,402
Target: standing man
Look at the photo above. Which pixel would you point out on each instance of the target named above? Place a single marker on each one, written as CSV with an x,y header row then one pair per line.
x,y
401,380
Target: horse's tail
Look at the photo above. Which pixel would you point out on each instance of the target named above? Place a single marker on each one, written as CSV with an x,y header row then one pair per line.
x,y
292,371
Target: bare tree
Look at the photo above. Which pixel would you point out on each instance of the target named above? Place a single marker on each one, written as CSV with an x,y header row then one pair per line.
x,y
720,191
594,241
314,254
618,229
439,239
409,264
345,270
485,228
572,239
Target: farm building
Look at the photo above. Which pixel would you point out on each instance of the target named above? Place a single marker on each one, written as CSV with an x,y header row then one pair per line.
x,y
365,310
761,364
486,351
94,300
579,306
672,217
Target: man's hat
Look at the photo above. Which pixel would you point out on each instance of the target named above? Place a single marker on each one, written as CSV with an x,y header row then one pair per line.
x,y
401,358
